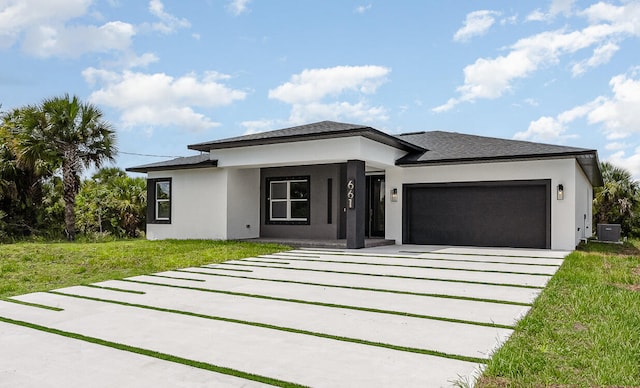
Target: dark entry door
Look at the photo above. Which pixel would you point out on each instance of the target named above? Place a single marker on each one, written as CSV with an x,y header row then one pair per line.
x,y
375,206
499,214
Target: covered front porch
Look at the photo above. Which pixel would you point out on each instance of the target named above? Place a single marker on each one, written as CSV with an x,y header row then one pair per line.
x,y
323,205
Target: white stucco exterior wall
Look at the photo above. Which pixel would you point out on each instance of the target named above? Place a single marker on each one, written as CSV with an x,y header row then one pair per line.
x,y
198,205
559,171
323,151
584,203
243,203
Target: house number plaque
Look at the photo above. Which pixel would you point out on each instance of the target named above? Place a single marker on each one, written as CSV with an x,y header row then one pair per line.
x,y
351,187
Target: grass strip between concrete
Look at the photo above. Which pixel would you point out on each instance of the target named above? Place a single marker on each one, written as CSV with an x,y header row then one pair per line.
x,y
323,304
412,254
235,269
114,289
176,277
379,275
434,295
394,265
30,304
290,254
159,355
265,261
282,328
475,254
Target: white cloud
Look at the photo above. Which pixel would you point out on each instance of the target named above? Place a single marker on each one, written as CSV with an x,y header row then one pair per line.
x,y
545,129
552,129
130,60
314,84
601,55
363,8
256,126
17,16
308,91
477,23
168,23
361,112
47,41
536,16
44,30
159,99
513,19
48,28
450,104
556,7
615,146
238,7
631,162
491,77
616,115
564,7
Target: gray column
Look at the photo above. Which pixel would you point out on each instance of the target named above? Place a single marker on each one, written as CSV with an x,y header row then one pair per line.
x,y
356,203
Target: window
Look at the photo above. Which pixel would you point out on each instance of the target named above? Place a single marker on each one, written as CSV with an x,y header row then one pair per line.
x,y
288,200
159,201
163,200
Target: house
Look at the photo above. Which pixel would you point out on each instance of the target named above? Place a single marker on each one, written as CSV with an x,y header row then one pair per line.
x,y
331,180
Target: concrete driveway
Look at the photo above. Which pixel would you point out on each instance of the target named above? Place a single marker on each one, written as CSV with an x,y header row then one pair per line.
x,y
378,317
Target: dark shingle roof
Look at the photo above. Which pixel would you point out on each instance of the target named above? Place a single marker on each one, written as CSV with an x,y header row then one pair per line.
x,y
196,161
450,147
320,130
435,147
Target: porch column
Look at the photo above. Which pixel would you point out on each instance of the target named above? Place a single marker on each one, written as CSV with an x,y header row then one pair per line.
x,y
356,203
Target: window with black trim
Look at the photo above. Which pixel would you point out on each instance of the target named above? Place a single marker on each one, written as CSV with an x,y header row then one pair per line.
x,y
288,200
159,201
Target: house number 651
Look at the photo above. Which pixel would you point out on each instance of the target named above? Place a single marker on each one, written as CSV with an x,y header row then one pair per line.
x,y
350,193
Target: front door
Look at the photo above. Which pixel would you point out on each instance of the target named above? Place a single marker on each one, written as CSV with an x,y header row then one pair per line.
x,y
375,206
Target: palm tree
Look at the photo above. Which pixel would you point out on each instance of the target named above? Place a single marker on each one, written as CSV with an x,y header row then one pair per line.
x,y
71,135
21,183
616,200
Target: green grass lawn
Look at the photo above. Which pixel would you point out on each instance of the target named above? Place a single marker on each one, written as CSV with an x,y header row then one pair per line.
x,y
583,330
31,267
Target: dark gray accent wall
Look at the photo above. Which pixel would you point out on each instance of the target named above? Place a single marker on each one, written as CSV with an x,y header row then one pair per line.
x,y
319,226
356,210
342,188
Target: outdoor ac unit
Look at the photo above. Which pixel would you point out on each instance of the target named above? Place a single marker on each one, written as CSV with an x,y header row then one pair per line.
x,y
609,232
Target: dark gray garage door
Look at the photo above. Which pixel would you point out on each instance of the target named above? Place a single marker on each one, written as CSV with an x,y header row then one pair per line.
x,y
498,214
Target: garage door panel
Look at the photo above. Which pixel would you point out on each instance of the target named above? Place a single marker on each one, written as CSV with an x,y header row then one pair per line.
x,y
480,214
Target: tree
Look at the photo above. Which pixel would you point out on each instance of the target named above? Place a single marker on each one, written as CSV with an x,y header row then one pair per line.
x,y
70,135
112,202
616,201
21,184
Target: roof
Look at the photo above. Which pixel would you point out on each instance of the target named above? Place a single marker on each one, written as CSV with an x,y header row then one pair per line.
x,y
314,131
451,148
187,162
423,148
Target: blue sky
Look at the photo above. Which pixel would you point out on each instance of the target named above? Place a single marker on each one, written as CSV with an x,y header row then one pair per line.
x,y
169,73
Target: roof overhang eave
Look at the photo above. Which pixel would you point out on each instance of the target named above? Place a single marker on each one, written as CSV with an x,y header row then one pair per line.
x,y
146,169
367,132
